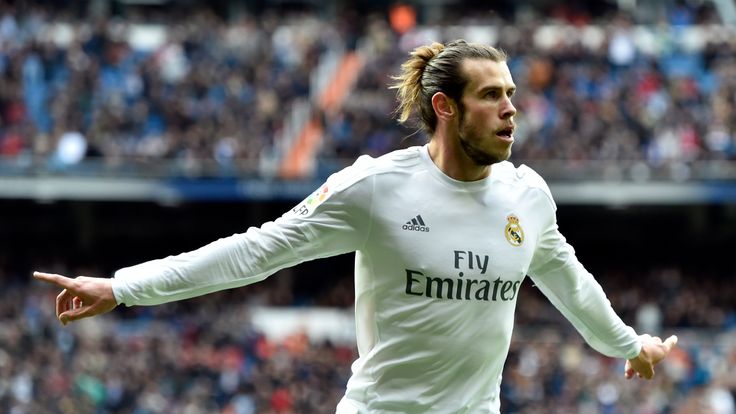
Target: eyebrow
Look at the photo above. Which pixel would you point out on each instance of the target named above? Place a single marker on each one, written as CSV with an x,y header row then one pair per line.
x,y
496,87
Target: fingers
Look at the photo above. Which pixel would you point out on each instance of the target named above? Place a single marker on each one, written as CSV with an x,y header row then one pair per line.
x,y
58,280
81,310
647,371
654,350
67,301
628,370
74,314
64,302
643,369
81,297
670,342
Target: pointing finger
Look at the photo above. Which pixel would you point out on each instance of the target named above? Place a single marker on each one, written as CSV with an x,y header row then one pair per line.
x,y
58,280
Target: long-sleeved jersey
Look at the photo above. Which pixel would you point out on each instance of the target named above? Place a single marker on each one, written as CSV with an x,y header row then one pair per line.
x,y
438,267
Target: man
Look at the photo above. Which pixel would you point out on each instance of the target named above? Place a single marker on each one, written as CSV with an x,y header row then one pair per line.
x,y
444,234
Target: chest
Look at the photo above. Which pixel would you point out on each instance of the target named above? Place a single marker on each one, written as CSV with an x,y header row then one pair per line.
x,y
482,234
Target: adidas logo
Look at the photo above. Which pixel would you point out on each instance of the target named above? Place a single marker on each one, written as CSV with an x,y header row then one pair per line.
x,y
416,224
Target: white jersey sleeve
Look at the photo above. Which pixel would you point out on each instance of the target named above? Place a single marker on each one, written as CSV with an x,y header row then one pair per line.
x,y
331,221
573,290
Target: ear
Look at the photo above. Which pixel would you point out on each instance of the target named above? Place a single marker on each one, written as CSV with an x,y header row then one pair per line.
x,y
444,106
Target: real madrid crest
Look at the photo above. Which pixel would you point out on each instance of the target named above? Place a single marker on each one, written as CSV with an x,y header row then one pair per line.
x,y
513,231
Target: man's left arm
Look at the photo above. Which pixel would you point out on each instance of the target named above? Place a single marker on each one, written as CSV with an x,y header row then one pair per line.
x,y
579,297
574,291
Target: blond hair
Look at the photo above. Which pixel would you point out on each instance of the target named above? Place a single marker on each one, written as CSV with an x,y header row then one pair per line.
x,y
436,68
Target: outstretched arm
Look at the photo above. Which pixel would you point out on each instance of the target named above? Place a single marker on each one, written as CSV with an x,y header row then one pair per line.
x,y
81,297
227,263
653,350
574,291
333,220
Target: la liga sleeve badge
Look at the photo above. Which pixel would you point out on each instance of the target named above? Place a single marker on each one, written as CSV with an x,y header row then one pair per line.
x,y
307,206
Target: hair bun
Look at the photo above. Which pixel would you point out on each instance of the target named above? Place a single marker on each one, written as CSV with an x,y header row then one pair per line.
x,y
426,53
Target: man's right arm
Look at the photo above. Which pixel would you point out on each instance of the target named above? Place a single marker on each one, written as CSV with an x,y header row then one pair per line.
x,y
335,221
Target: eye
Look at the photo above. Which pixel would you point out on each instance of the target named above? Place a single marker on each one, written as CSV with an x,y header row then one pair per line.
x,y
492,94
510,93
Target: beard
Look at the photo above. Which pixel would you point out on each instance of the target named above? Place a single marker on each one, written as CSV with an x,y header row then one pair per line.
x,y
480,157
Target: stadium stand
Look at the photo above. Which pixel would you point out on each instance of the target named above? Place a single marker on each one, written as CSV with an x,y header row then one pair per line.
x,y
605,94
214,101
204,356
609,91
208,95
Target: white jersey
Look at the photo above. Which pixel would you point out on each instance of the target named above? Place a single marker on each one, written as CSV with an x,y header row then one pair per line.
x,y
438,267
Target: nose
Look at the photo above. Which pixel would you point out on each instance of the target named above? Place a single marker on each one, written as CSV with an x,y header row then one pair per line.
x,y
507,108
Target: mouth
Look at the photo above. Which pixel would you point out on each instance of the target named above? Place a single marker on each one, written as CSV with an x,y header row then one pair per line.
x,y
506,134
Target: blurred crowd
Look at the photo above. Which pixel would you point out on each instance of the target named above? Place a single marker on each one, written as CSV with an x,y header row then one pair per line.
x,y
602,89
211,93
205,356
204,93
188,363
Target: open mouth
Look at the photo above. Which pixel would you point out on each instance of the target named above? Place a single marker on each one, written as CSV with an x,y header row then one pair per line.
x,y
506,133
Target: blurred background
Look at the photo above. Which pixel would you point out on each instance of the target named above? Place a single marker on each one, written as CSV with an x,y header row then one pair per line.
x,y
136,129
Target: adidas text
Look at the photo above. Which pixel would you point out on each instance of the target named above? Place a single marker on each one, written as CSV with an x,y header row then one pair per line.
x,y
415,227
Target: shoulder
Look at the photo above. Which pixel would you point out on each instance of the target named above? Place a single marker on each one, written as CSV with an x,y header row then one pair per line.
x,y
396,163
522,177
353,185
403,160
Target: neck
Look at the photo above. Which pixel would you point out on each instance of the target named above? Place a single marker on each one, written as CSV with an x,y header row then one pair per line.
x,y
451,159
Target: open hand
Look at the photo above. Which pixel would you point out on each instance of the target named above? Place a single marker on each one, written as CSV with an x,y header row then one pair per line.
x,y
653,350
81,297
